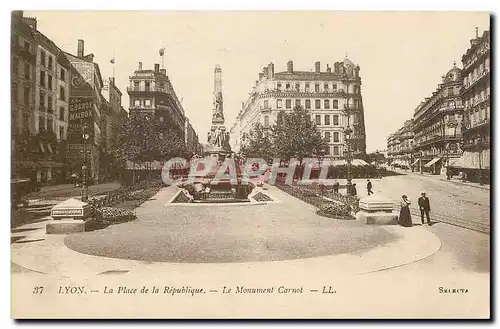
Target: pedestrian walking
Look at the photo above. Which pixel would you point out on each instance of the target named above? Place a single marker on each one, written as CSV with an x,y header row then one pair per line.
x,y
369,187
354,192
336,186
404,213
425,208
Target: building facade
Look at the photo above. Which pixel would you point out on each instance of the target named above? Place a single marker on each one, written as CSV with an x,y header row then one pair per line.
x,y
151,92
23,61
400,147
333,98
436,126
84,114
191,139
476,96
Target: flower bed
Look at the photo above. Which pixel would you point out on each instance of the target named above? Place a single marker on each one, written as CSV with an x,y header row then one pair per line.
x,y
261,197
107,216
335,210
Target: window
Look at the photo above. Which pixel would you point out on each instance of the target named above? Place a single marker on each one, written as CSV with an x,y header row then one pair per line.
x,y
450,91
279,103
50,124
317,104
318,119
327,150
297,86
266,104
26,95
50,62
327,120
297,102
327,137
316,87
26,120
42,101
335,120
15,65
27,69
288,103
308,103
136,85
327,104
266,121
147,103
336,137
63,75
49,84
61,133
335,104
334,87
42,78
147,86
336,150
62,93
279,86
41,123
27,46
137,103
307,87
287,86
42,58
49,104
61,113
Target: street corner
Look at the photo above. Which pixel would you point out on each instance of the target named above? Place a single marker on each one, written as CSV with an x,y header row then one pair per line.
x,y
413,244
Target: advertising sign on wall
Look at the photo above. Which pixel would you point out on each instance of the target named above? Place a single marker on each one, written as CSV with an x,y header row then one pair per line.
x,y
82,79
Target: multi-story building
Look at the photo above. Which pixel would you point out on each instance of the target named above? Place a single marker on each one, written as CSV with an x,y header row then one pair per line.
x,y
332,97
191,139
23,61
400,146
85,106
41,120
112,118
476,96
436,126
151,92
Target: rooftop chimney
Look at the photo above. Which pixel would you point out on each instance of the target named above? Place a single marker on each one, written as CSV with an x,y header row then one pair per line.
x,y
266,71
261,75
328,68
140,66
80,50
112,80
289,66
317,67
242,105
270,72
163,71
157,67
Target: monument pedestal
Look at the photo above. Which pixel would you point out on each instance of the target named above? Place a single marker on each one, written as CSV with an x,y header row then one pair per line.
x,y
377,210
69,216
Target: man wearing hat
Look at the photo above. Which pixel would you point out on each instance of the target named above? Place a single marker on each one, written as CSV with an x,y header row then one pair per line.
x,y
425,207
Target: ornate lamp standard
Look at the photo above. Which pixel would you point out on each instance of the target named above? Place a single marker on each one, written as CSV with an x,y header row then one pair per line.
x,y
85,138
347,133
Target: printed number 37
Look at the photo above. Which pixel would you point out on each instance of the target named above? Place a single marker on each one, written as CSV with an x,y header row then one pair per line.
x,y
37,290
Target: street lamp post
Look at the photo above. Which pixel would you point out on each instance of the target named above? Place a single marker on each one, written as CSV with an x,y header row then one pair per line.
x,y
85,137
347,133
454,125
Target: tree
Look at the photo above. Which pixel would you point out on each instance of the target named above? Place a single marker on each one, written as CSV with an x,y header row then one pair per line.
x,y
296,135
258,144
145,140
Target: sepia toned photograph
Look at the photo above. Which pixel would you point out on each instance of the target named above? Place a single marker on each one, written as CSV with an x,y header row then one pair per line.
x,y
250,165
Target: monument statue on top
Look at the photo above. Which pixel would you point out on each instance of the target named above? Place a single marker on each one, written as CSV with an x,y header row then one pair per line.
x,y
218,137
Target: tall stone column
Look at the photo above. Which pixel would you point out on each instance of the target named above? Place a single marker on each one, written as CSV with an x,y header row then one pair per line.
x,y
218,137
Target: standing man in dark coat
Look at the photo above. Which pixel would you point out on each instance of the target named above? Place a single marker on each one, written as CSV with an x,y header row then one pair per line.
x,y
425,208
369,187
336,186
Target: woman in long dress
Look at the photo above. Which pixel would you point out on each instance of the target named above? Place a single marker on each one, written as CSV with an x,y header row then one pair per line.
x,y
404,214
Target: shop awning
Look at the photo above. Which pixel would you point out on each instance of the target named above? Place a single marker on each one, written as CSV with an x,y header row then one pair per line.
x,y
457,163
433,161
26,164
360,162
415,162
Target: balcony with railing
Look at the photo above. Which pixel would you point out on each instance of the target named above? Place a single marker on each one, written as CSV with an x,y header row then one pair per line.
x,y
476,79
142,89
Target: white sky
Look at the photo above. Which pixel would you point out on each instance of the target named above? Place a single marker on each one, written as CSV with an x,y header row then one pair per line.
x,y
402,55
